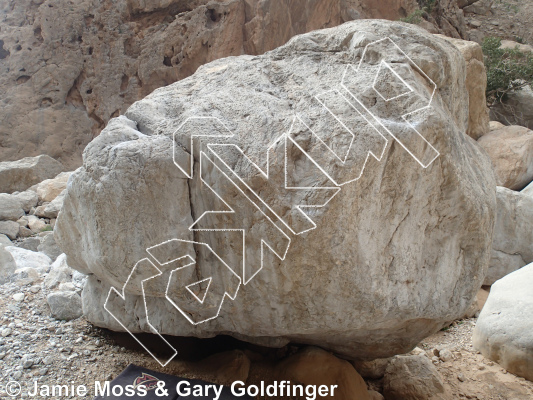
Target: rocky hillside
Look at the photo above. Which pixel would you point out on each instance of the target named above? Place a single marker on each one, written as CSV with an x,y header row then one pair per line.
x,y
67,67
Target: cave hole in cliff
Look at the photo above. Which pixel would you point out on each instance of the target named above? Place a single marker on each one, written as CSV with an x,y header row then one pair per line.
x,y
167,61
23,79
3,52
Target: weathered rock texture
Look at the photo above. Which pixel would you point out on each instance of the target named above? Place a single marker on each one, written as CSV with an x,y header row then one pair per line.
x,y
511,152
476,84
512,246
394,256
504,329
67,67
21,174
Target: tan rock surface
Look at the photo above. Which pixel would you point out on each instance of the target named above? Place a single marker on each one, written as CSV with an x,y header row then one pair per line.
x,y
476,84
511,152
67,67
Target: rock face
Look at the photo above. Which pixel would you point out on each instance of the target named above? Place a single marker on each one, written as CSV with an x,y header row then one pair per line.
x,y
314,366
512,246
517,109
511,151
67,68
504,329
65,305
20,175
395,254
476,83
7,265
413,378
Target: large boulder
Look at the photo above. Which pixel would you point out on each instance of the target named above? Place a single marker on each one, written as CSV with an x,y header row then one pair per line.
x,y
511,151
476,84
504,329
512,245
20,175
395,254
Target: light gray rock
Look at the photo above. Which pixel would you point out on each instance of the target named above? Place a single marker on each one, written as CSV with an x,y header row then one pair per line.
x,y
20,175
26,276
10,208
27,199
7,265
30,259
25,232
59,272
51,210
49,246
504,329
10,229
31,243
5,240
65,305
394,255
512,245
412,378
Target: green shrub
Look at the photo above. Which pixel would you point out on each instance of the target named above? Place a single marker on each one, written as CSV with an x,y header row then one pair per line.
x,y
426,6
508,70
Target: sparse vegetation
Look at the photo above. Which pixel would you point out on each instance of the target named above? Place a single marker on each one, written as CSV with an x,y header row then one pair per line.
x,y
508,70
426,6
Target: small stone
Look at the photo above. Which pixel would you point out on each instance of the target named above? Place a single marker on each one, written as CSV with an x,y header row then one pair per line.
x,y
48,360
43,371
6,332
18,297
445,355
17,375
35,289
27,362
461,377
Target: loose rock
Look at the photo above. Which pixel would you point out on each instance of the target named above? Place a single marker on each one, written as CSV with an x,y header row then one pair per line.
x,y
65,305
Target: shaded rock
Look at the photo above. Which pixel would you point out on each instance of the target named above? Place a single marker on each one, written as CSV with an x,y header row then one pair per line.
x,y
20,175
60,272
27,199
10,229
7,265
476,84
464,3
481,7
29,259
49,246
36,224
51,210
314,366
31,243
397,219
25,232
65,305
374,369
10,208
49,189
511,152
412,378
516,108
225,368
373,395
504,329
512,245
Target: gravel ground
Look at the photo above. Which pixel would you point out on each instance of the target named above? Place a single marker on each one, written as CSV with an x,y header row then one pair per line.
x,y
36,347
